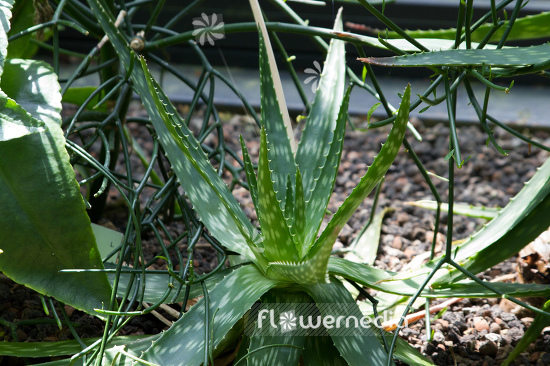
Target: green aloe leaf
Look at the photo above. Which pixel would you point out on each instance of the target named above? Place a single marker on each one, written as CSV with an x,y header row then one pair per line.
x,y
528,27
280,151
471,289
215,204
47,228
318,133
300,217
365,247
381,280
278,243
356,350
323,246
320,351
250,176
518,56
519,223
58,348
320,197
481,212
278,355
184,342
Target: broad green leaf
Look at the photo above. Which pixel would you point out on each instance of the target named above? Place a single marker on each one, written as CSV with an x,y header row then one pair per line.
x,y
315,209
533,332
78,95
5,15
250,176
46,227
184,342
211,197
381,280
58,348
279,132
469,288
39,95
519,223
278,243
528,27
278,355
320,351
518,56
323,246
356,350
23,18
481,212
317,136
15,122
365,247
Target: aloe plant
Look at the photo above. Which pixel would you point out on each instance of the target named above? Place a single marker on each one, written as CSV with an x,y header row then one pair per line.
x,y
290,192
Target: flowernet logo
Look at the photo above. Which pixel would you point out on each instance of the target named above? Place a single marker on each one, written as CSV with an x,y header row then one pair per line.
x,y
287,321
310,319
315,76
208,28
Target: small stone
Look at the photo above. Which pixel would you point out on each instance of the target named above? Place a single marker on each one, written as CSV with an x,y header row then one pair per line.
x,y
402,218
69,310
527,321
494,328
443,323
337,245
487,348
21,335
534,356
397,243
438,337
503,352
493,337
480,324
410,252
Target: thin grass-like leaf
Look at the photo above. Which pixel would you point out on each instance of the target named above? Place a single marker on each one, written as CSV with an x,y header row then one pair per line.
x,y
481,212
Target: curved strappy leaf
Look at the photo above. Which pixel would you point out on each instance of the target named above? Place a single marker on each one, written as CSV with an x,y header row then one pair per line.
x,y
184,342
505,57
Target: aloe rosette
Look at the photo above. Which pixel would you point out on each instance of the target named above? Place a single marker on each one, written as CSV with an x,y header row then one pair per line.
x,y
290,191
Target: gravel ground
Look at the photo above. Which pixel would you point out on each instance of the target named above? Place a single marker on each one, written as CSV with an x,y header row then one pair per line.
x,y
472,332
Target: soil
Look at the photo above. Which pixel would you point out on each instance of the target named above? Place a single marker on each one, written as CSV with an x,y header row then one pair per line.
x,y
471,332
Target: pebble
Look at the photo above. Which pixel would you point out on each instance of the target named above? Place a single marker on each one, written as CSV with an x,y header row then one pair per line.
x,y
397,243
480,324
487,347
494,328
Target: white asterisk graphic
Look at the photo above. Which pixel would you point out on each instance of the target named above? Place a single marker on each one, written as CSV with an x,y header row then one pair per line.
x,y
208,28
287,321
315,77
